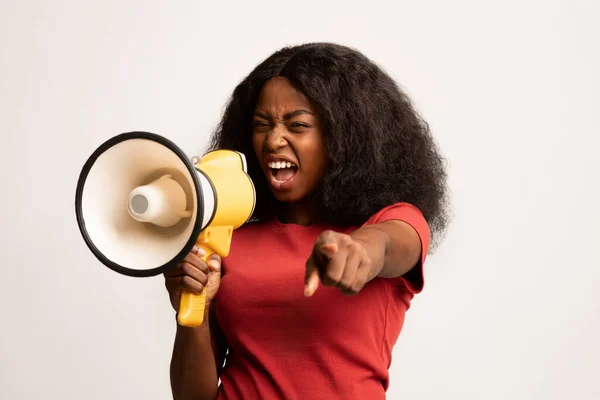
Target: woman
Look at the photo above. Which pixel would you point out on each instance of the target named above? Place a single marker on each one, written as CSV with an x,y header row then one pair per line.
x,y
351,196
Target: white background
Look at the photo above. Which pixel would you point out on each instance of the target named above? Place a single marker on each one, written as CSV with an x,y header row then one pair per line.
x,y
511,307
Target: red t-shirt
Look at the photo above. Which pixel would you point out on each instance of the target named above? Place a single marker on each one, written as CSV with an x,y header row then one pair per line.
x,y
283,345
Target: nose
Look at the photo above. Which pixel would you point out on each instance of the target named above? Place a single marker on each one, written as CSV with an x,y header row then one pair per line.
x,y
275,139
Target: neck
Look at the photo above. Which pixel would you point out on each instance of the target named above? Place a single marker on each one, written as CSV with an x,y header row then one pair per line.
x,y
302,213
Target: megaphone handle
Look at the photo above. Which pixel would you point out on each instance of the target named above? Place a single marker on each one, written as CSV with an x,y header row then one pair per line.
x,y
191,306
214,239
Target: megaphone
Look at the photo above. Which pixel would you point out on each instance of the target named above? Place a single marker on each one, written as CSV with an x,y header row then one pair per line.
x,y
141,206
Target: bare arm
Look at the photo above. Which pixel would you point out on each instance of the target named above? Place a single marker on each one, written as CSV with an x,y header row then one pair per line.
x,y
198,355
388,250
394,247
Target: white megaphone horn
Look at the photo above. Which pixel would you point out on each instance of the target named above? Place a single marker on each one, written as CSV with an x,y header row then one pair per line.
x,y
142,205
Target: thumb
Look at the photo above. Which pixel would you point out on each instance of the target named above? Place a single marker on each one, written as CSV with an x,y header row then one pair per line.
x,y
311,281
214,263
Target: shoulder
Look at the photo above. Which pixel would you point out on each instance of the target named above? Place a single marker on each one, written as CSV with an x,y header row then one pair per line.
x,y
395,211
404,212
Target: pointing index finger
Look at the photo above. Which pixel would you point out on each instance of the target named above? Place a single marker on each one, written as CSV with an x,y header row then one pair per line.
x,y
311,279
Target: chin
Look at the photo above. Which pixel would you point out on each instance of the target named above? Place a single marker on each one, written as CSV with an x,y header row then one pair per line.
x,y
286,197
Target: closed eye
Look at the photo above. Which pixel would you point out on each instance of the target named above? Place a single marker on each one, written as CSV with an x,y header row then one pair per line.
x,y
260,126
298,127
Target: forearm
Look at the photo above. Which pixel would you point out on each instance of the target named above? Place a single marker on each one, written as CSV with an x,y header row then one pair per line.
x,y
193,366
393,247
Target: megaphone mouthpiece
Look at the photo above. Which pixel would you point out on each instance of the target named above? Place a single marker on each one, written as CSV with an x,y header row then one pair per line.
x,y
161,202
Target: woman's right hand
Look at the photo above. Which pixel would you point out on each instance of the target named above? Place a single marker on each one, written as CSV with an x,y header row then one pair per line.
x,y
193,275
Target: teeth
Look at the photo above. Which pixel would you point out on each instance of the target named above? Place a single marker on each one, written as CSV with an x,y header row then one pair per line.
x,y
280,164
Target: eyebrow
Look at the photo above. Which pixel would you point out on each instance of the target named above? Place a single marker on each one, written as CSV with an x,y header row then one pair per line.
x,y
289,115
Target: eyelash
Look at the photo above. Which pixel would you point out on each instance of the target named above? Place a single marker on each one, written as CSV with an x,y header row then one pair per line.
x,y
296,125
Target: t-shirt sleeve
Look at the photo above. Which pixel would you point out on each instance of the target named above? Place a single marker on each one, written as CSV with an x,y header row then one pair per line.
x,y
414,279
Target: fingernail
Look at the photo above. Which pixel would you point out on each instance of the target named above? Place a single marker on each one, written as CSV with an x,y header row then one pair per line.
x,y
198,250
214,264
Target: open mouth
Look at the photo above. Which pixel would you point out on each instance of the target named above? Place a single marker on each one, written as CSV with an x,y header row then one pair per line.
x,y
282,172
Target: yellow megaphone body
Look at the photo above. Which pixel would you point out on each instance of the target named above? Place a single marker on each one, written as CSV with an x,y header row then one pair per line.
x,y
141,206
235,200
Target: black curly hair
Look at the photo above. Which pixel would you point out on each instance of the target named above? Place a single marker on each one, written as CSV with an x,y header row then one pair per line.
x,y
380,150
